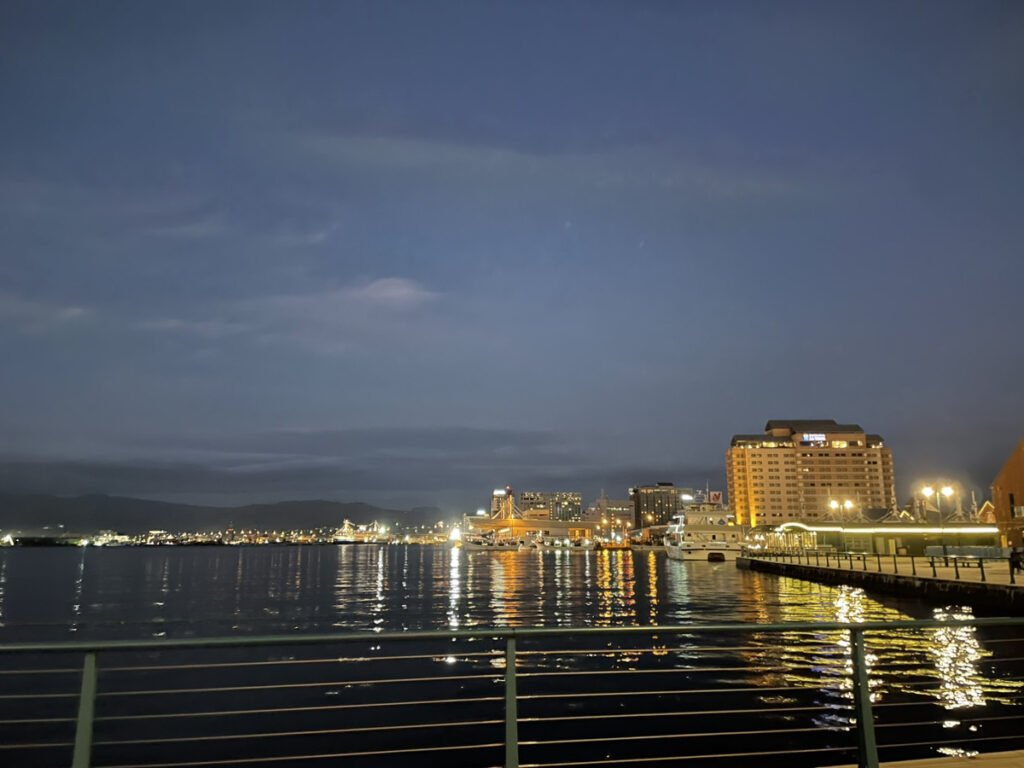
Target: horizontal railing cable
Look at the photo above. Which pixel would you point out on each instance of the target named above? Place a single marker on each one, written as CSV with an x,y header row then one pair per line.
x,y
294,662
281,686
311,708
284,734
673,758
298,758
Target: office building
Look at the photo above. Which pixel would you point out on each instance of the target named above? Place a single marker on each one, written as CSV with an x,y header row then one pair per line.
x,y
503,503
809,470
609,509
560,505
656,504
1008,498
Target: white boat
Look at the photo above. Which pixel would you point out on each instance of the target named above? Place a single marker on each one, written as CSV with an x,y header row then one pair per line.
x,y
556,542
705,533
488,544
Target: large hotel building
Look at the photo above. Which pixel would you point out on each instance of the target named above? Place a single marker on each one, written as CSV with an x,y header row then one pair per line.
x,y
808,470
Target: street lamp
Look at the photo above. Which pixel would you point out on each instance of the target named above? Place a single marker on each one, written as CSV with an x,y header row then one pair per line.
x,y
946,490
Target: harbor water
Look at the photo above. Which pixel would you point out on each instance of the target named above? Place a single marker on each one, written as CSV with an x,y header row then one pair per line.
x,y
794,687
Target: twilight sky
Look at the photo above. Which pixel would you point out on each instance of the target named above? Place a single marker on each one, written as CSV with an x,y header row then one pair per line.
x,y
406,252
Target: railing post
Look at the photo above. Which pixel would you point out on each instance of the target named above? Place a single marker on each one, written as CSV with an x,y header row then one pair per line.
x,y
864,562
895,565
511,706
913,566
956,569
981,565
1013,580
934,574
867,749
879,558
82,756
826,560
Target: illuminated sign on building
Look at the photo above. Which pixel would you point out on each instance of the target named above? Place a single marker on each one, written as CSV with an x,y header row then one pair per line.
x,y
814,437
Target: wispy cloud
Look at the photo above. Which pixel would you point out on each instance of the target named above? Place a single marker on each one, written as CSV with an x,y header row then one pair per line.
x,y
329,322
657,168
194,226
208,329
31,316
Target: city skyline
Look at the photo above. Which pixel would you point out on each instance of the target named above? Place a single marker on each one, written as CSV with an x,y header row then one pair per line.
x,y
405,254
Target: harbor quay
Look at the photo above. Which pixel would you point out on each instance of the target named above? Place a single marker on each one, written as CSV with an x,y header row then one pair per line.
x,y
985,583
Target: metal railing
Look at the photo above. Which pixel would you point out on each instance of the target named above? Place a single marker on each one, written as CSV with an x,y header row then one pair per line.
x,y
952,567
380,698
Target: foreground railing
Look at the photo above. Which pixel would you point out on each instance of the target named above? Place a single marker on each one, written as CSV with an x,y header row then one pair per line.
x,y
580,696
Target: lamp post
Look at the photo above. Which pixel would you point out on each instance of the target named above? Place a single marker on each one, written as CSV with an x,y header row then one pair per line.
x,y
847,506
947,491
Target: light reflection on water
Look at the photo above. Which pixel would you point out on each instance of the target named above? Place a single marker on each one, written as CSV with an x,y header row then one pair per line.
x,y
49,593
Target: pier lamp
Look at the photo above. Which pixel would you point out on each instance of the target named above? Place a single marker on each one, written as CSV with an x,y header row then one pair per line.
x,y
929,491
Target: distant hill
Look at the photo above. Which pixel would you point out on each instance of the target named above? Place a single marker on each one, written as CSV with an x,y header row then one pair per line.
x,y
127,515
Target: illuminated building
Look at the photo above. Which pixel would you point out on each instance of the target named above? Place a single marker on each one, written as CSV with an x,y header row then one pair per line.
x,y
656,504
609,509
503,503
808,470
876,538
559,505
1008,497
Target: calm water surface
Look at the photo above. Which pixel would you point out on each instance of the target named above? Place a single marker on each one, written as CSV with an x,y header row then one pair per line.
x,y
957,686
185,591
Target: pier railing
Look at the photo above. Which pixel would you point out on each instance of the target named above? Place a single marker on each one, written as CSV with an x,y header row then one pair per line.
x,y
536,697
954,567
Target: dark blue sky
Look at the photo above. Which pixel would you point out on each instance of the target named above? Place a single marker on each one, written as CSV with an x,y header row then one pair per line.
x,y
405,252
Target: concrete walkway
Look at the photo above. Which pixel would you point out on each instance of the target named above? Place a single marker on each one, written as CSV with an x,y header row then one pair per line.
x,y
966,569
984,760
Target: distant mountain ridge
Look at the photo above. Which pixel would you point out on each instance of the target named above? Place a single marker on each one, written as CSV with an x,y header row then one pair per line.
x,y
127,515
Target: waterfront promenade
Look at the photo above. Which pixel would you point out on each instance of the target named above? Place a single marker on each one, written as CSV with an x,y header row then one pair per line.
x,y
985,760
986,583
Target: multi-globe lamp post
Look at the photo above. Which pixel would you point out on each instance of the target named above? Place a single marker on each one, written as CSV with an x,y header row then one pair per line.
x,y
946,490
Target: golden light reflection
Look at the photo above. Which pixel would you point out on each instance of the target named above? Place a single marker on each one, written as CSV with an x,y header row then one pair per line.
x,y
897,660
379,604
652,588
955,652
454,587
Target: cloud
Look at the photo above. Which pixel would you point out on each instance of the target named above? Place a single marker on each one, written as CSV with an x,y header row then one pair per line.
x,y
207,329
456,465
29,316
191,226
657,168
328,322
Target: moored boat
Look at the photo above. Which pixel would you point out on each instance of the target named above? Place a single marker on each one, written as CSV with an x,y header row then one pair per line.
x,y
704,532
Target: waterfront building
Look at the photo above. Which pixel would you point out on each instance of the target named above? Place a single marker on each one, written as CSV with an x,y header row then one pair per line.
x,y
888,538
808,470
560,505
609,509
656,504
1008,497
503,503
